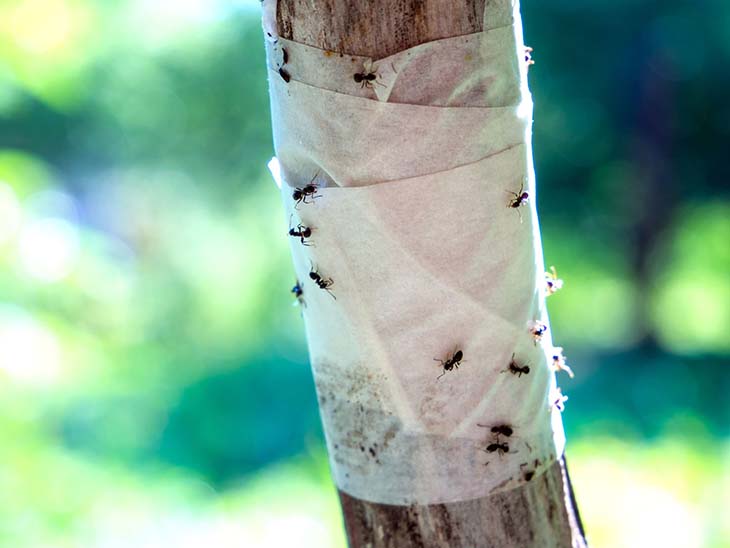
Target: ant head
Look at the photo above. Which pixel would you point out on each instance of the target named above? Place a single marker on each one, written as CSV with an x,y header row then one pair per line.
x,y
313,275
297,194
526,369
525,195
458,356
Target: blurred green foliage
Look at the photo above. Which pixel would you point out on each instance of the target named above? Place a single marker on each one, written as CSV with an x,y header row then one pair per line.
x,y
154,387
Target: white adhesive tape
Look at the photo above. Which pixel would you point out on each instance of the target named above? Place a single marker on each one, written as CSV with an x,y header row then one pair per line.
x,y
416,255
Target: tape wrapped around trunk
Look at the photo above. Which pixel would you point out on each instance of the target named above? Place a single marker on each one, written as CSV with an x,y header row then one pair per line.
x,y
411,225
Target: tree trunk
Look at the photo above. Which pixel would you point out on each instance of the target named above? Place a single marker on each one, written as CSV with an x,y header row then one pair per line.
x,y
541,512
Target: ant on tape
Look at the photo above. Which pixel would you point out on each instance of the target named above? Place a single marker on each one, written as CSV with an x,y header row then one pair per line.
x,y
301,194
300,231
369,77
515,368
519,199
451,363
499,430
499,448
321,282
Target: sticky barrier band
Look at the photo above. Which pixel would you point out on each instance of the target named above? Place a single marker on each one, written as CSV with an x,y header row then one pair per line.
x,y
417,250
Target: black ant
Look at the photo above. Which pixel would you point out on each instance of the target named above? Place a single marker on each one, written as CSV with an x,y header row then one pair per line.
x,y
520,199
499,448
284,75
285,56
367,78
451,363
322,283
299,294
503,429
517,369
302,232
301,194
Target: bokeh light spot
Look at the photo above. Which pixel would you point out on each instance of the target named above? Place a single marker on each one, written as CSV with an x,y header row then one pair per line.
x,y
48,249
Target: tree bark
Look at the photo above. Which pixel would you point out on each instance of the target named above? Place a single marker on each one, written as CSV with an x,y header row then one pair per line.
x,y
539,513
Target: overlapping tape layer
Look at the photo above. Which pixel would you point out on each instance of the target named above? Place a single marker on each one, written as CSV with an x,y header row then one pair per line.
x,y
416,256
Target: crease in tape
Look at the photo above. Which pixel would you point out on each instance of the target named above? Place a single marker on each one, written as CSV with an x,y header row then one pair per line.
x,y
334,133
476,60
428,262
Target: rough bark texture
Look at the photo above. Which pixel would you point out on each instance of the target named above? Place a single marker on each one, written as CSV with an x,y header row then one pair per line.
x,y
535,515
376,28
543,512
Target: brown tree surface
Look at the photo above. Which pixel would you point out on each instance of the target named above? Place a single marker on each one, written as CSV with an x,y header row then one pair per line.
x,y
540,513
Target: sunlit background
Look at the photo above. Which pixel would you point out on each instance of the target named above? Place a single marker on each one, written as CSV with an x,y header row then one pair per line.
x,y
154,385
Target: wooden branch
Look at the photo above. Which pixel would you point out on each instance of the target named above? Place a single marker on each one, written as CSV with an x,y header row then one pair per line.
x,y
376,28
534,515
541,513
